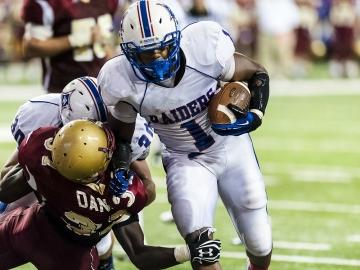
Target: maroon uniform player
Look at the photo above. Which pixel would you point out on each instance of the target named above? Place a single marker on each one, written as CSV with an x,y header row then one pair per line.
x,y
68,169
71,37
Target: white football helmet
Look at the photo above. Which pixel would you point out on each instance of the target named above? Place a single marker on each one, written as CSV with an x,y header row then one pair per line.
x,y
150,25
82,149
80,98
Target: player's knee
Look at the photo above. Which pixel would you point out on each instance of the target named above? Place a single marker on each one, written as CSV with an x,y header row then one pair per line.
x,y
258,240
254,196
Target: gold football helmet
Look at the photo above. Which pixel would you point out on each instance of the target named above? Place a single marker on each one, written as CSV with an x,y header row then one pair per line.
x,y
82,150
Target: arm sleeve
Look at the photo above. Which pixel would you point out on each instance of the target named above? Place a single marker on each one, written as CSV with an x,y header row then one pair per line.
x,y
36,31
38,17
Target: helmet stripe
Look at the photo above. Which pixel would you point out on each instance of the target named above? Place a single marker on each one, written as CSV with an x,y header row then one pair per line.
x,y
139,17
98,101
144,18
149,16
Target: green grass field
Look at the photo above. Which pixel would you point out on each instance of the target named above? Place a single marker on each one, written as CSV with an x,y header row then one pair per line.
x,y
309,151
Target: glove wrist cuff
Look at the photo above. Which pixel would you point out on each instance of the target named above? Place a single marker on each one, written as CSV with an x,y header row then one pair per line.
x,y
182,254
258,113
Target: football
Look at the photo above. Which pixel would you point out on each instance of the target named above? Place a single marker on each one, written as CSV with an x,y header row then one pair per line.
x,y
235,93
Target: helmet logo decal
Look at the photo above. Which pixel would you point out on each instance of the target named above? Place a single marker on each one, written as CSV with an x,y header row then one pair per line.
x,y
65,100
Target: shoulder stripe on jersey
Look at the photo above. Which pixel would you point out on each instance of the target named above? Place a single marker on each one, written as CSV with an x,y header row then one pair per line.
x,y
144,18
98,101
48,13
42,101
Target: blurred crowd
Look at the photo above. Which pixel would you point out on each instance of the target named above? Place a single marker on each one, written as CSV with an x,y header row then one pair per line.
x,y
286,36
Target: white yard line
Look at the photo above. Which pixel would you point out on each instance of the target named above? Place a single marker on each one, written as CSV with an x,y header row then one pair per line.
x,y
294,245
312,171
305,146
315,87
298,259
5,134
353,238
315,207
278,88
340,177
19,92
302,245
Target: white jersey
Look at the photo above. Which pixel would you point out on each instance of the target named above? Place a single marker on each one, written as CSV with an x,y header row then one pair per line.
x,y
178,114
37,112
44,111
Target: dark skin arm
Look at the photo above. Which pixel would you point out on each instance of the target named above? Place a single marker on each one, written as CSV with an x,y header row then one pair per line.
x,y
258,80
131,238
245,68
122,130
13,185
46,48
141,168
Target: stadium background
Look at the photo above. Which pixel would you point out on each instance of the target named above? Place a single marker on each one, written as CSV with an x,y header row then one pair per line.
x,y
308,148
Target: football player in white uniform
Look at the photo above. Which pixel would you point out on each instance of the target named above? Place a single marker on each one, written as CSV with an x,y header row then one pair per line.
x,y
168,77
79,99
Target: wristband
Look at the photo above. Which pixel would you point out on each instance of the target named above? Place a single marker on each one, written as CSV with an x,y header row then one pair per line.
x,y
182,254
258,113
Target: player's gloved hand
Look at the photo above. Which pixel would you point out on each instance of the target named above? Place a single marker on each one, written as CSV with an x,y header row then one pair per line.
x,y
205,251
3,207
119,182
243,124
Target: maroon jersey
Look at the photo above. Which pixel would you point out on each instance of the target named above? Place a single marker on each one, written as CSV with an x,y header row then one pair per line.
x,y
26,235
86,212
62,16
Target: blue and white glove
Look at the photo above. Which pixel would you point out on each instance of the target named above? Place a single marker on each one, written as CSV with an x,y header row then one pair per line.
x,y
243,124
119,182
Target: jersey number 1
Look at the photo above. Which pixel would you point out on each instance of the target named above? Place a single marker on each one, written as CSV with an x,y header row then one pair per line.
x,y
202,140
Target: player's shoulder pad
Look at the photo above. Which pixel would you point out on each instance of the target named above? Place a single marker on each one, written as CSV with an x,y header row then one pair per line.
x,y
213,43
115,80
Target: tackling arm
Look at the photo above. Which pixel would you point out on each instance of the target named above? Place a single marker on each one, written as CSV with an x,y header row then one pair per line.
x,y
203,250
131,238
13,185
121,156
